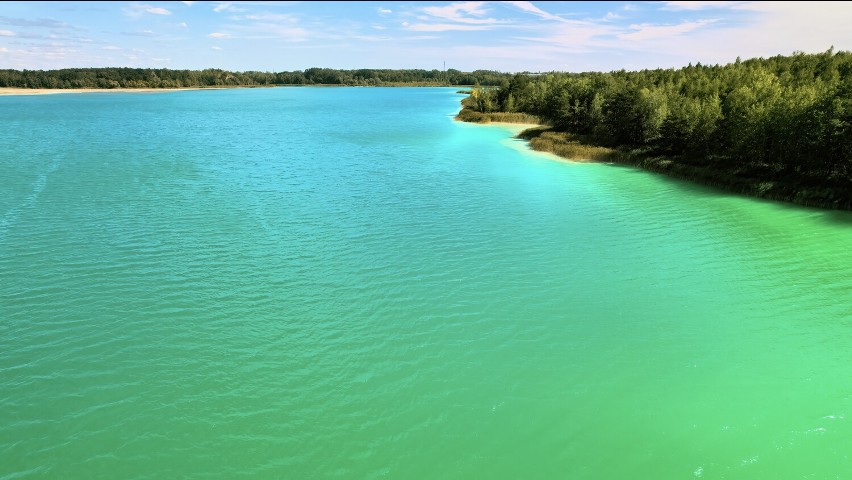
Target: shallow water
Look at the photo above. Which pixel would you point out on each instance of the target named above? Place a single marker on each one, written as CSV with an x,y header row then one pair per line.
x,y
345,283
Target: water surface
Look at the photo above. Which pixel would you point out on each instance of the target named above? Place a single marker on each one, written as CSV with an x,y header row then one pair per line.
x,y
345,283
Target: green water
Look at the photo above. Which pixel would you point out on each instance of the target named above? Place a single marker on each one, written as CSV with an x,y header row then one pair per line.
x,y
345,283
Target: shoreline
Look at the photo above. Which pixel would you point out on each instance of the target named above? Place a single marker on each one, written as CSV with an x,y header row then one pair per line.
x,y
565,147
515,128
52,91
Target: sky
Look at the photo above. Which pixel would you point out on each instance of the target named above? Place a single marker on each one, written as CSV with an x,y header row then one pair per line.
x,y
506,36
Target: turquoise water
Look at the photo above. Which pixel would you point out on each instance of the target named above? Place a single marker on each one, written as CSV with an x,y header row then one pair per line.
x,y
345,283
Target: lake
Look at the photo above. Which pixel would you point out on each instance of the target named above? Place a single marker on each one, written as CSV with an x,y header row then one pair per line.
x,y
346,283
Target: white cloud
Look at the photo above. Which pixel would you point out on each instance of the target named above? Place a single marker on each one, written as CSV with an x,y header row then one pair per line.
x,y
216,48
137,10
158,11
780,28
445,27
647,31
267,26
530,8
227,7
745,29
373,38
271,17
294,34
188,3
748,30
575,36
464,12
529,35
3,49
699,5
140,33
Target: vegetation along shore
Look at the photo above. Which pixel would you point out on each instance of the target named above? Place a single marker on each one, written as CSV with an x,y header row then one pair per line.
x,y
777,128
163,78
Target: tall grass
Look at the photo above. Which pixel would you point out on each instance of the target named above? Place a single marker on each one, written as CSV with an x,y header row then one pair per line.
x,y
468,115
569,146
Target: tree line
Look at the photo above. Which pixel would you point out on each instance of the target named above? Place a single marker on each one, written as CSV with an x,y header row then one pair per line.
x,y
167,78
784,118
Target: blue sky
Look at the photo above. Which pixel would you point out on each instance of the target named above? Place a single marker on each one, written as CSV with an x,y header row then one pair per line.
x,y
505,36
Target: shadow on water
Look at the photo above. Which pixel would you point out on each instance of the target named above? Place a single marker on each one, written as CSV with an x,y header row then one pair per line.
x,y
834,217
841,217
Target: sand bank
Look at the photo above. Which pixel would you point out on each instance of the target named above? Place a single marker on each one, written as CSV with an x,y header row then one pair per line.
x,y
515,128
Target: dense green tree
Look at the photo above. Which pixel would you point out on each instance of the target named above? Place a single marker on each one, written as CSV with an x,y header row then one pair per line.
x,y
165,78
785,115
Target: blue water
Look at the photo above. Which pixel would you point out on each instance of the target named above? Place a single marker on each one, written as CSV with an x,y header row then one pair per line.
x,y
346,283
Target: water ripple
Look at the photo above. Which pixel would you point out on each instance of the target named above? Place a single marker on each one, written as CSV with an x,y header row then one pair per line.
x,y
232,297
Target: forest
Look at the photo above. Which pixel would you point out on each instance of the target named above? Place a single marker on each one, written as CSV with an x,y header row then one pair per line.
x,y
166,78
778,127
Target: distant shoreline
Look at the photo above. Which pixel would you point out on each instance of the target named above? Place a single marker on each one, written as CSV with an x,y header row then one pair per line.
x,y
51,91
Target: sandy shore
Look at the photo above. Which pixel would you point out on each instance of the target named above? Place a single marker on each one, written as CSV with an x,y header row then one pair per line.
x,y
49,91
523,146
515,128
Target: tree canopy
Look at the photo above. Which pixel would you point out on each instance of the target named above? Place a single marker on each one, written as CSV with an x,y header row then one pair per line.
x,y
784,118
166,78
